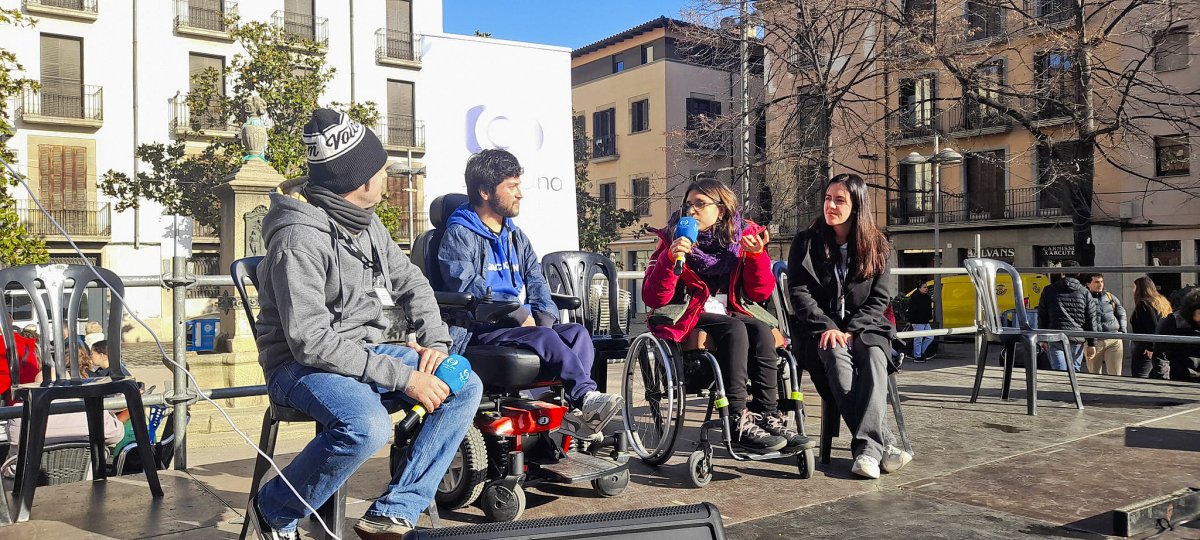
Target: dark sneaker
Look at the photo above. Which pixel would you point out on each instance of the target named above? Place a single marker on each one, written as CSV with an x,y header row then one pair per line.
x,y
776,423
382,527
748,435
255,517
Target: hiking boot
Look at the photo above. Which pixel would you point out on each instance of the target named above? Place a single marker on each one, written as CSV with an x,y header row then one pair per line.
x,y
598,409
748,435
776,423
371,527
866,467
894,459
259,523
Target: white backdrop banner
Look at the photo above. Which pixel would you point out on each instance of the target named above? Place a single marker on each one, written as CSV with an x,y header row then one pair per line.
x,y
479,93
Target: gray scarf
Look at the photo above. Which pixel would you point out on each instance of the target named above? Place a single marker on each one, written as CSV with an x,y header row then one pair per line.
x,y
343,212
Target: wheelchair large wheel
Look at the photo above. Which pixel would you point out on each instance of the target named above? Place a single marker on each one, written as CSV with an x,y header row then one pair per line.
x,y
653,400
464,480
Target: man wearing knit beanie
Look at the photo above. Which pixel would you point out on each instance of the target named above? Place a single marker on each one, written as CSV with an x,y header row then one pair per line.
x,y
330,269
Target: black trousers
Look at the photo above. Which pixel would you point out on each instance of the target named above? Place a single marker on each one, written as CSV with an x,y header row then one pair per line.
x,y
746,353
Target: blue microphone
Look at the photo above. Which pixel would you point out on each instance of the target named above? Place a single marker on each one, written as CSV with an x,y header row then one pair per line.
x,y
686,228
455,371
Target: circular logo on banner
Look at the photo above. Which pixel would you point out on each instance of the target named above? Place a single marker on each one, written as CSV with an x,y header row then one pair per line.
x,y
490,127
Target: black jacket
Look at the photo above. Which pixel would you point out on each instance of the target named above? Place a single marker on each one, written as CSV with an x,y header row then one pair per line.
x,y
920,308
1144,321
1184,358
1111,312
813,290
1067,305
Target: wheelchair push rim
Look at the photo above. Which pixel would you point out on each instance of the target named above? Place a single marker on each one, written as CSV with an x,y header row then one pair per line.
x,y
653,402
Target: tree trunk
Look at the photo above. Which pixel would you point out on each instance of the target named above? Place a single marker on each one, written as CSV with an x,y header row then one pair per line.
x,y
1080,193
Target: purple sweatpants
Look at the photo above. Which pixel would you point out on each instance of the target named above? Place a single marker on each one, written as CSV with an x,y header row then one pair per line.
x,y
566,348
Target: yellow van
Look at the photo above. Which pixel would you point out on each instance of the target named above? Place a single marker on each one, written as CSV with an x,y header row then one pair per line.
x,y
958,296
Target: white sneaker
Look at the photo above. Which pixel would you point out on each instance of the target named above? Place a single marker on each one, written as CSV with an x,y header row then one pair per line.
x,y
598,409
866,466
894,459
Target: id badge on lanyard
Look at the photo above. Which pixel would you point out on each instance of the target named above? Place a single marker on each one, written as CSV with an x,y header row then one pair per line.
x,y
378,280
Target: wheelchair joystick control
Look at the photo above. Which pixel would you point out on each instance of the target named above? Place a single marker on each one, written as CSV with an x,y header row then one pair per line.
x,y
455,371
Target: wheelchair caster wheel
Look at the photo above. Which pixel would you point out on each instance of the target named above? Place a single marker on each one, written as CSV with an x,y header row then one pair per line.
x,y
806,462
611,485
502,504
700,470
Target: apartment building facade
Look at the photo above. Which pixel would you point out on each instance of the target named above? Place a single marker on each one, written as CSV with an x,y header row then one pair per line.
x,y
644,100
115,74
1009,190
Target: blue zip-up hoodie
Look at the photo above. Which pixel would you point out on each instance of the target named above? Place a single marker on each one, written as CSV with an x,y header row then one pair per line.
x,y
474,259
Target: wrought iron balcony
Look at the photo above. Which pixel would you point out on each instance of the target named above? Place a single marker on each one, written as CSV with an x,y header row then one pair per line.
x,y
984,22
1022,203
78,9
303,25
209,18
62,102
401,132
604,146
214,120
397,47
80,219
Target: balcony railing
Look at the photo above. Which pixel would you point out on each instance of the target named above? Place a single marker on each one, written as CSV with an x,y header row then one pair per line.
x,y
907,126
707,142
402,131
86,9
206,120
80,221
303,25
1022,203
397,46
984,22
1050,108
970,117
210,16
62,99
604,146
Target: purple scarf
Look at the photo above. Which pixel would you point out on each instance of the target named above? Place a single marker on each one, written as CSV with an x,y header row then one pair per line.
x,y
713,261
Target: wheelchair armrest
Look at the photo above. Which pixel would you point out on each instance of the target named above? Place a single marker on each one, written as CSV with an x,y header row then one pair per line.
x,y
565,301
454,300
494,312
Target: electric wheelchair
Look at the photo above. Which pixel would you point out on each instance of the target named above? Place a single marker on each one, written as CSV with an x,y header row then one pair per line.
x,y
516,440
660,376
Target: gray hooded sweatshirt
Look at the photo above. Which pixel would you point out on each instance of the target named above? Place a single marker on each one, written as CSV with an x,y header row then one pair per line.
x,y
317,302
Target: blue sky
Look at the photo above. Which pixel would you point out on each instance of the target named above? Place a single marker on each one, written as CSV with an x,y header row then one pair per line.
x,y
566,23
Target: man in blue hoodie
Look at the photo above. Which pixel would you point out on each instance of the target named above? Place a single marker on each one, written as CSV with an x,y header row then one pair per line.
x,y
329,270
483,253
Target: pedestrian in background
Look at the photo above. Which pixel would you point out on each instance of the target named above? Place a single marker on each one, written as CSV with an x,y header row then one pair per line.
x,y
920,315
1110,353
1149,307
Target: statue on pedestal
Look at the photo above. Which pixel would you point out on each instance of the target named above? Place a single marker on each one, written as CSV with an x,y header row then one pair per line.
x,y
254,131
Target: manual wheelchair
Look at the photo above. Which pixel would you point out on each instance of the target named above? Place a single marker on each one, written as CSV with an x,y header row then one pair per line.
x,y
660,375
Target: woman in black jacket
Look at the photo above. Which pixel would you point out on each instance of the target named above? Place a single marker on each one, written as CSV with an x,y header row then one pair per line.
x,y
839,292
1149,308
1183,358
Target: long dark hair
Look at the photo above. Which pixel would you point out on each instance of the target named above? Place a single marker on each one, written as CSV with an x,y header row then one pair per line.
x,y
869,248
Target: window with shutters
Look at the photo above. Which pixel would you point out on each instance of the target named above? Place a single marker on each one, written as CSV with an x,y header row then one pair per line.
x,y
62,92
703,132
62,177
297,18
986,80
203,14
916,189
984,184
1057,169
641,196
985,19
608,196
1171,49
639,116
398,39
1055,79
917,98
203,70
604,133
401,123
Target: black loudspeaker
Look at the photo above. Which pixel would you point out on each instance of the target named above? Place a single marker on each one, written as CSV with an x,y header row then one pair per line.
x,y
697,521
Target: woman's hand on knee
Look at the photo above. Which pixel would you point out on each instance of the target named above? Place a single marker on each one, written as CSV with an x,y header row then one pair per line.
x,y
834,338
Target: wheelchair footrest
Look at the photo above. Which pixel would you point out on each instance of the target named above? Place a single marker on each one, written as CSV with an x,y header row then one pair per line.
x,y
578,467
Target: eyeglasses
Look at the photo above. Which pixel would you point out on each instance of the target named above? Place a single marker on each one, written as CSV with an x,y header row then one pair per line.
x,y
700,205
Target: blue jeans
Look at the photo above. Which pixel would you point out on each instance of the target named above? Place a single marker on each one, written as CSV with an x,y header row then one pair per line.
x,y
922,343
357,425
1058,357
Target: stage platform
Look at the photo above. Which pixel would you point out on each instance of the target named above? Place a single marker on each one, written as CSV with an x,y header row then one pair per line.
x,y
982,470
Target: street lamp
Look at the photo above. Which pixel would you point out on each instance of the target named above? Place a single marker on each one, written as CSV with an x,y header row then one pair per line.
x,y
946,156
